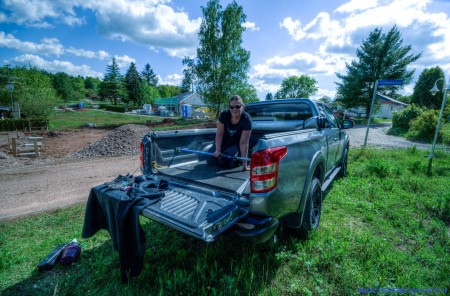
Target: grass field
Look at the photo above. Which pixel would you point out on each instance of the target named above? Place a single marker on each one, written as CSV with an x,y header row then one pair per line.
x,y
384,226
67,120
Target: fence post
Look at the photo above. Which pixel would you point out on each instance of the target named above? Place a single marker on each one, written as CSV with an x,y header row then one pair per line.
x,y
36,151
14,147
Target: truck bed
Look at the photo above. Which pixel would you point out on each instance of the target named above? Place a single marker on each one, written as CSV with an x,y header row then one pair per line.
x,y
200,171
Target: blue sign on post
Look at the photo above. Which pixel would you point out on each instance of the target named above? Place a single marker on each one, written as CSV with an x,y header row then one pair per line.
x,y
390,82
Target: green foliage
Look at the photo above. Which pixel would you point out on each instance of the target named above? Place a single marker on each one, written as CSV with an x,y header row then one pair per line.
x,y
187,85
149,76
269,96
134,86
445,131
150,93
222,63
297,87
91,85
402,118
374,232
424,126
168,91
22,124
112,87
34,92
116,108
381,56
421,95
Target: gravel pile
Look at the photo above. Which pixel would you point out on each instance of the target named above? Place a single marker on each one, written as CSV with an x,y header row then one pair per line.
x,y
123,141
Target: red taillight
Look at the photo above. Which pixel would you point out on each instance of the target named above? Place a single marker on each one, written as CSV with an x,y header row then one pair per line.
x,y
264,169
141,155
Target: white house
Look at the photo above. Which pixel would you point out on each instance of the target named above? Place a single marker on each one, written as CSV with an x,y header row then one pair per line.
x,y
388,106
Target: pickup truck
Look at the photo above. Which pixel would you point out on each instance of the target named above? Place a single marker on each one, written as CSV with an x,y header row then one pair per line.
x,y
298,148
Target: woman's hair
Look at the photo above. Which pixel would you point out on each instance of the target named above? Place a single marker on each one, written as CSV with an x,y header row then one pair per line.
x,y
236,98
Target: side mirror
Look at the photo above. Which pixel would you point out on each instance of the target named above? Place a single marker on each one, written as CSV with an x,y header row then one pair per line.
x,y
347,123
321,122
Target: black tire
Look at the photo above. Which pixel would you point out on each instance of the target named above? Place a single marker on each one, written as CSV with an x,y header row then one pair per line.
x,y
344,163
313,209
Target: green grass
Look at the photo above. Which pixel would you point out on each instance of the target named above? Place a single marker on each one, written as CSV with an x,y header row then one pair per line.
x,y
386,225
74,120
68,120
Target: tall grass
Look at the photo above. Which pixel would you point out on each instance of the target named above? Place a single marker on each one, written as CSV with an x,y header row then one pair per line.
x,y
386,225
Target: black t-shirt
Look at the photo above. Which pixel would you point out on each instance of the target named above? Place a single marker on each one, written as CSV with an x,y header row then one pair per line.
x,y
232,132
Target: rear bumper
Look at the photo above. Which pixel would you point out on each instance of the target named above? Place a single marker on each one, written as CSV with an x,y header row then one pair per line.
x,y
255,230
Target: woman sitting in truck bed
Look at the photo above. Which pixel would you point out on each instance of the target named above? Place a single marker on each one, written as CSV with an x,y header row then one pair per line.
x,y
233,134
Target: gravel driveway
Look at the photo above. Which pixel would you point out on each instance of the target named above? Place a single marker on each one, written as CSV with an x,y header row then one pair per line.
x,y
377,137
33,189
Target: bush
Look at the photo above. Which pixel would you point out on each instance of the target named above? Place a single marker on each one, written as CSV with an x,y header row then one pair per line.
x,y
402,119
22,124
445,131
116,108
424,126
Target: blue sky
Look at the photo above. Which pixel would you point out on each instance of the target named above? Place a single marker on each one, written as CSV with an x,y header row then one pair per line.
x,y
285,37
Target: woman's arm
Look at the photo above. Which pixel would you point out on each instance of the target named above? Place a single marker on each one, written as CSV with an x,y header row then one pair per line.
x,y
219,137
243,146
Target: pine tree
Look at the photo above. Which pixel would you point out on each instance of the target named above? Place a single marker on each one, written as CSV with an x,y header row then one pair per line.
x,y
381,56
149,76
112,86
133,84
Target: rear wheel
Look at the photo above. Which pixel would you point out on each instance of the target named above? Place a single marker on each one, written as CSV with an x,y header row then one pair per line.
x,y
343,171
313,209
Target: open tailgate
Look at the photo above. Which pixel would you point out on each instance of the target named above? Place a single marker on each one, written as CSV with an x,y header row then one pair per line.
x,y
196,212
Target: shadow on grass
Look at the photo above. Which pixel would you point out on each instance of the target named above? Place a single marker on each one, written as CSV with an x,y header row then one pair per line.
x,y
174,264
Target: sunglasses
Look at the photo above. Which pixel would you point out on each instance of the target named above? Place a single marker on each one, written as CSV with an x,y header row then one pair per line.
x,y
235,107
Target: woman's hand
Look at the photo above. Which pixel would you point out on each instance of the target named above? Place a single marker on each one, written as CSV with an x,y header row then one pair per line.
x,y
216,154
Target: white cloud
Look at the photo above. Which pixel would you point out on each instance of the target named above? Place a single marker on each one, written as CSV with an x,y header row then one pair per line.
x,y
172,79
124,61
55,65
294,28
39,13
151,23
356,5
250,26
48,47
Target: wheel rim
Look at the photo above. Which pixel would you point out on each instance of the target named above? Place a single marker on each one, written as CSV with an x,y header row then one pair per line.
x,y
316,206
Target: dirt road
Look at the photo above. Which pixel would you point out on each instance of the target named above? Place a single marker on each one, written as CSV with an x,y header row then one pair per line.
x,y
28,190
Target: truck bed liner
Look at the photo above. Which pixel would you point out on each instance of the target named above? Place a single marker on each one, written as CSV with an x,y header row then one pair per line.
x,y
230,179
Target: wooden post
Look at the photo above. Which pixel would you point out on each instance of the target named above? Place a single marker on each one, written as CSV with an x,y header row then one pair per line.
x,y
14,147
36,150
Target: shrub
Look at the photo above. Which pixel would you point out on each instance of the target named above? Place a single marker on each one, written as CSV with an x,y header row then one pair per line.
x,y
403,118
22,124
445,132
116,108
424,126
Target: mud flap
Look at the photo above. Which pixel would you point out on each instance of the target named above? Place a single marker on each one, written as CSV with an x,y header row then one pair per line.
x,y
195,213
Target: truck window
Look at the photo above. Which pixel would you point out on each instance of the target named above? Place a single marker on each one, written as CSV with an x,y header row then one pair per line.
x,y
282,112
325,111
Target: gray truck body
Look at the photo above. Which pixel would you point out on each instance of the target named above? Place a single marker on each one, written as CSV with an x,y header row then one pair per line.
x,y
204,201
